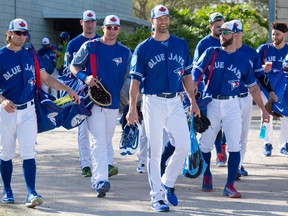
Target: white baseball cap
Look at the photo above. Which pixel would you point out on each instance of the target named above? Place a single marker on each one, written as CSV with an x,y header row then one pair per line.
x,y
111,20
45,41
89,15
230,26
158,11
238,24
215,17
18,25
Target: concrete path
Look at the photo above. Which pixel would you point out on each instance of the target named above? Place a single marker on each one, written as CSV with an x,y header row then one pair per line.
x,y
66,193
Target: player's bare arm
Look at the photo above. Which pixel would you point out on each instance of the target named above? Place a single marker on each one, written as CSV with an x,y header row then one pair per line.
x,y
54,83
132,115
255,92
189,87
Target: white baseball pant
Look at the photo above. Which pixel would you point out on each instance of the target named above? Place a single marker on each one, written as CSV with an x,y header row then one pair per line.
x,y
160,113
246,105
21,125
101,125
225,113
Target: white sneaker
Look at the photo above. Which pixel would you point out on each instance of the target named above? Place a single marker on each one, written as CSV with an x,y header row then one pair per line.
x,y
141,168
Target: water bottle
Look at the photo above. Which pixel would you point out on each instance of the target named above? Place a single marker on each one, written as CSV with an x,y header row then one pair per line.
x,y
263,130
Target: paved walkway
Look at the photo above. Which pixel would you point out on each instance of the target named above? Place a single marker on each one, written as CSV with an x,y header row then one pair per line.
x,y
66,193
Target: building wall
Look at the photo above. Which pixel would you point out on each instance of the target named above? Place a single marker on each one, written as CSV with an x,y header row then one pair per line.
x,y
282,12
33,11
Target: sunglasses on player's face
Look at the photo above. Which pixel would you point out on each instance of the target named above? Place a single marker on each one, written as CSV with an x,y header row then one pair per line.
x,y
19,33
226,32
112,27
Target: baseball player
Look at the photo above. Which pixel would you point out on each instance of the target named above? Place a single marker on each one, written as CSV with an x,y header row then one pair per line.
x,y
224,110
17,110
48,58
162,63
88,23
215,21
246,101
112,63
274,53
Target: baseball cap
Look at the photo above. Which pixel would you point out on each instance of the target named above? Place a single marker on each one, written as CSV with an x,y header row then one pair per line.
x,y
45,41
158,11
215,17
238,24
111,20
89,15
231,26
18,25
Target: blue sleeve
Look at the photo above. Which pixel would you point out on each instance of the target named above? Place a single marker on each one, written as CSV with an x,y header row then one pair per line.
x,y
201,65
136,67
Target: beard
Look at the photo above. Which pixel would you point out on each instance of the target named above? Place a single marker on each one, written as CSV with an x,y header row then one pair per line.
x,y
226,42
279,41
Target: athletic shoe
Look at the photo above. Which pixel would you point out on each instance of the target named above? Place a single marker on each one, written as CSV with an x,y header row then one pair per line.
x,y
268,149
230,191
243,172
101,188
160,206
237,175
112,170
141,168
220,160
86,172
33,200
207,185
7,196
170,195
223,147
284,150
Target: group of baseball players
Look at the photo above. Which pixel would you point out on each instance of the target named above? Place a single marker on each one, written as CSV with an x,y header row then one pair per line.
x,y
160,69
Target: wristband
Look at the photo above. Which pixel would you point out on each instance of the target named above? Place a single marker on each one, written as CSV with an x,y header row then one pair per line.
x,y
82,76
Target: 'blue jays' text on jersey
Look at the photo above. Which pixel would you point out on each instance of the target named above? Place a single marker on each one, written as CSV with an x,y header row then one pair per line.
x,y
112,65
254,59
229,70
17,75
269,53
73,46
203,44
161,65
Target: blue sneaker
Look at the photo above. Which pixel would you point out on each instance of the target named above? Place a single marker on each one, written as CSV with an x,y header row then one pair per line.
x,y
7,196
101,188
170,195
284,150
230,191
160,206
207,185
243,172
33,200
268,149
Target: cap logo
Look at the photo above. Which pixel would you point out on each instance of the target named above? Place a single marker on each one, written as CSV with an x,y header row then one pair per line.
x,y
162,9
22,24
90,15
113,19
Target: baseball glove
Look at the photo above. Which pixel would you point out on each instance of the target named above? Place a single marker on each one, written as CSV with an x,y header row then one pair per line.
x,y
99,95
268,107
202,123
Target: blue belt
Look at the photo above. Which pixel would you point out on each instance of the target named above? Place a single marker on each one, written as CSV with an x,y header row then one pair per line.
x,y
25,105
223,97
172,95
243,95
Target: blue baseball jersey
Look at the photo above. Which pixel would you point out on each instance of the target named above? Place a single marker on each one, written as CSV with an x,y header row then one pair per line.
x,y
285,63
112,65
73,46
48,58
228,71
161,65
268,52
17,75
203,44
254,59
